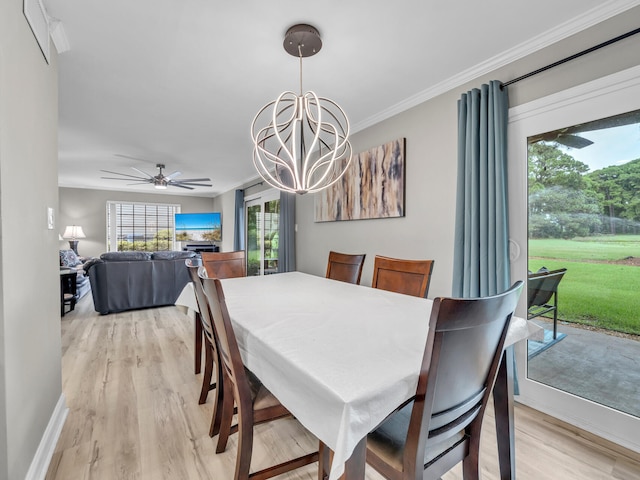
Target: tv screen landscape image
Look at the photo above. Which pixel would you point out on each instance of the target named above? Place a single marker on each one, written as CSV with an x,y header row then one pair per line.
x,y
198,227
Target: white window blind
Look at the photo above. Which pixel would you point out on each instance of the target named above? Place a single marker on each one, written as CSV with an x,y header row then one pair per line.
x,y
137,226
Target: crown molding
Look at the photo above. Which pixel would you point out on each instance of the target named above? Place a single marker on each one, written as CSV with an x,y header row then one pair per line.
x,y
579,23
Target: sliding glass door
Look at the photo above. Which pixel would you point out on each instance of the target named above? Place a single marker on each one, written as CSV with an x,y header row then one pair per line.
x,y
575,205
262,213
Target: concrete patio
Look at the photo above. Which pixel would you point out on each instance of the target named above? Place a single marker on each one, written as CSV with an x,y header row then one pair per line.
x,y
595,365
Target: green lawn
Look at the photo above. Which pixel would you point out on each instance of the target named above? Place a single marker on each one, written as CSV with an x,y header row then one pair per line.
x,y
598,294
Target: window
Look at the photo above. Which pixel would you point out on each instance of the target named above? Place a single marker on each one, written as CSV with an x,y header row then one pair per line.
x,y
147,227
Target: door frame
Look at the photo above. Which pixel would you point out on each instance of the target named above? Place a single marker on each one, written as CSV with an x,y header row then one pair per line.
x,y
604,97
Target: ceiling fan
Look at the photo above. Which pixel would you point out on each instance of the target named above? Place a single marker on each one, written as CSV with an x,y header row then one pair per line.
x,y
159,181
569,136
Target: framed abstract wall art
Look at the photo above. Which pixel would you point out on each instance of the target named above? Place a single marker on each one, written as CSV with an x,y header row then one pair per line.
x,y
372,187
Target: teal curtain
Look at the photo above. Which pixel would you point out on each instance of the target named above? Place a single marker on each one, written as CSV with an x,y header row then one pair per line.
x,y
286,233
481,248
238,231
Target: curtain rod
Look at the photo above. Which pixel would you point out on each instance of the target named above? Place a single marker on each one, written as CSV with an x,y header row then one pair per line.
x,y
576,55
255,184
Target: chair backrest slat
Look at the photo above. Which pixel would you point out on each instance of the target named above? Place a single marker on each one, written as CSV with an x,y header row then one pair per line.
x,y
345,267
228,350
225,264
411,277
201,300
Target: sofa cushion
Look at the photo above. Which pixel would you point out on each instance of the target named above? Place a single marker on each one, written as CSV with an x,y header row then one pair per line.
x,y
172,255
68,258
125,256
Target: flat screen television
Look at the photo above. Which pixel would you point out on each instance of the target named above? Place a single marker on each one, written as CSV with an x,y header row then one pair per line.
x,y
198,227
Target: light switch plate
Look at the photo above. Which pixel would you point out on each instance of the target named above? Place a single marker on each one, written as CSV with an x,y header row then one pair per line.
x,y
50,222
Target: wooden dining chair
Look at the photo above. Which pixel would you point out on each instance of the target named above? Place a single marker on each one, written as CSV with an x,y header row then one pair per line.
x,y
212,360
255,404
440,425
410,277
220,265
225,264
345,267
196,262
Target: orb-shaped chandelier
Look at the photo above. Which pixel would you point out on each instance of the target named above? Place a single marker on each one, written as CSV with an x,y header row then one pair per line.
x,y
300,142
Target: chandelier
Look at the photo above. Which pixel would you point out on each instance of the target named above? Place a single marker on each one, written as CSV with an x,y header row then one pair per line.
x,y
303,146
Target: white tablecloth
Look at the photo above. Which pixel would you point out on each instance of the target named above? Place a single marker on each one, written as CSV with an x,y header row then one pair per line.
x,y
339,356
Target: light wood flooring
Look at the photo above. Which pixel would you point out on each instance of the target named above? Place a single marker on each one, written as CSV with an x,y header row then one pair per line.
x,y
133,414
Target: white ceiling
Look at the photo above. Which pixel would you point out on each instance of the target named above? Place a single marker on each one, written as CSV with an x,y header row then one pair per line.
x,y
179,81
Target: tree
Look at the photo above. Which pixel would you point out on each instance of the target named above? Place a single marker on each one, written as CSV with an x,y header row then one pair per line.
x,y
549,166
618,188
561,202
559,212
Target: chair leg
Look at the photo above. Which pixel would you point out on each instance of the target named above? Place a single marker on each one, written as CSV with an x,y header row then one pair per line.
x,y
245,446
470,468
198,343
324,461
555,315
226,417
218,406
208,372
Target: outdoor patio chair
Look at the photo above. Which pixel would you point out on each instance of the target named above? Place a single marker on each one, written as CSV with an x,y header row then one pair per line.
x,y
542,289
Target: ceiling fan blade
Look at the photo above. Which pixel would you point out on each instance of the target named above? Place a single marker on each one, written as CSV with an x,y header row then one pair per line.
x,y
174,184
573,141
126,179
141,172
194,180
194,184
123,174
173,175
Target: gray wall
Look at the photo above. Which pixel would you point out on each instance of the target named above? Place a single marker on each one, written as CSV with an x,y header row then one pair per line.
x,y
30,367
87,207
430,129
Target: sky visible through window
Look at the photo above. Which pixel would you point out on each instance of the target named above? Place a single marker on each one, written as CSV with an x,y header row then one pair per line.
x,y
611,146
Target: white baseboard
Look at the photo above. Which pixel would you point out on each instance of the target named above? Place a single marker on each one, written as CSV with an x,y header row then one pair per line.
x,y
40,462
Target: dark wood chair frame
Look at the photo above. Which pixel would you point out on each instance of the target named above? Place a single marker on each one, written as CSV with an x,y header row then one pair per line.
x,y
238,390
212,360
459,368
220,265
542,295
411,277
345,267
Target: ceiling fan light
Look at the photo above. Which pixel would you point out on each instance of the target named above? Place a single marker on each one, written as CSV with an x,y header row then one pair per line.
x,y
160,186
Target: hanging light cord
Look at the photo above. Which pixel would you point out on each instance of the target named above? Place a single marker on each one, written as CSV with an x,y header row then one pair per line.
x,y
300,56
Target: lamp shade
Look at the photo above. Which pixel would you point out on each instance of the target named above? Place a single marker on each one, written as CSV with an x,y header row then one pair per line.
x,y
73,232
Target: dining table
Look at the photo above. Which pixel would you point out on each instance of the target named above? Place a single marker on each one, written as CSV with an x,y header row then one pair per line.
x,y
341,357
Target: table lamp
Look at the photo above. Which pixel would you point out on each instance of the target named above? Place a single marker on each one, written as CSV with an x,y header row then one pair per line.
x,y
73,233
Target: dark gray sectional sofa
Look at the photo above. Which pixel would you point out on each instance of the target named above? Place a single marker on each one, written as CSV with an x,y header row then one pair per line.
x,y
129,280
